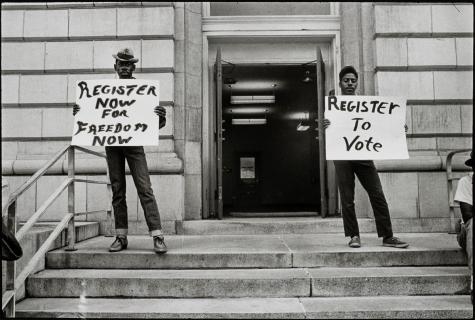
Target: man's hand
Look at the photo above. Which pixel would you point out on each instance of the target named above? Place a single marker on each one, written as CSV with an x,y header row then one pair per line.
x,y
326,123
162,114
76,109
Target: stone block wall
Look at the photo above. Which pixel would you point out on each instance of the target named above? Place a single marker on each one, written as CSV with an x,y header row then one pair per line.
x,y
424,52
46,48
188,102
414,195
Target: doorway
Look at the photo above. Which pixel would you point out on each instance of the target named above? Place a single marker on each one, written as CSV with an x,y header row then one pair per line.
x,y
319,56
270,151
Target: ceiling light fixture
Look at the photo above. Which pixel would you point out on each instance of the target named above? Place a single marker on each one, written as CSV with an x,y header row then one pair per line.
x,y
252,99
247,110
307,78
301,115
249,121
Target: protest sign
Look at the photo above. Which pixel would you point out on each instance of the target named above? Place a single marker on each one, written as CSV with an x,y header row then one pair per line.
x,y
116,113
365,128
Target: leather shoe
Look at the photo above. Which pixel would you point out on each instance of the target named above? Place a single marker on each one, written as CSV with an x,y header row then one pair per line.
x,y
119,244
394,242
159,245
355,242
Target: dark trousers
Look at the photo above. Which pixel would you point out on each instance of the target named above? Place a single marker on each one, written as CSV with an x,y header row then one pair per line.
x,y
137,162
368,176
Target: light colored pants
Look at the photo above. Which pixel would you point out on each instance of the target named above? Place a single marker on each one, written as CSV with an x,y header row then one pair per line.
x,y
465,240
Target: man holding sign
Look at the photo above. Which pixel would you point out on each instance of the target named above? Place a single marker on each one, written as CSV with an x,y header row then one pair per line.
x,y
352,144
117,117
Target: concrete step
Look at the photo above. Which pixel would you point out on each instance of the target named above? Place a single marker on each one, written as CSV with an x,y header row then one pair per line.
x,y
301,225
261,251
170,283
37,236
230,283
273,214
295,282
389,307
41,231
384,307
370,281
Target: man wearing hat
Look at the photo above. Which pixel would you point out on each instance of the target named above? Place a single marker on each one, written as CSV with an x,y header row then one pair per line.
x,y
368,176
464,196
135,156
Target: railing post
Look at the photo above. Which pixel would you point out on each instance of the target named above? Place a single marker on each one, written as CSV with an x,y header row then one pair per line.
x,y
448,168
11,265
109,226
71,207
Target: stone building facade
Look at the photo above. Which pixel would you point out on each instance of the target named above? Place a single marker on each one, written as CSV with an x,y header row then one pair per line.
x,y
421,51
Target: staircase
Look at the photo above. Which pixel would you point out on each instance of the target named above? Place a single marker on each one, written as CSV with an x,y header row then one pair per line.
x,y
280,275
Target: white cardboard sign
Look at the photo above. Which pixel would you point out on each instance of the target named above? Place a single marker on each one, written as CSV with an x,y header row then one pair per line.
x,y
365,128
116,112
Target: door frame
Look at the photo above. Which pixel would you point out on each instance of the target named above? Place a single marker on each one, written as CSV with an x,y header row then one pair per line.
x,y
256,28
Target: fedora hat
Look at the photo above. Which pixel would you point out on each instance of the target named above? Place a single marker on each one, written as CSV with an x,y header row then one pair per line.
x,y
469,162
125,54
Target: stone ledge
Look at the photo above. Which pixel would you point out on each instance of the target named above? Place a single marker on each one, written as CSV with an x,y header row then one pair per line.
x,y
85,5
420,68
301,225
421,163
91,71
166,163
423,35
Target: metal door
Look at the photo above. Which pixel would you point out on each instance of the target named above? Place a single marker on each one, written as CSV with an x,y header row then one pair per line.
x,y
218,135
320,72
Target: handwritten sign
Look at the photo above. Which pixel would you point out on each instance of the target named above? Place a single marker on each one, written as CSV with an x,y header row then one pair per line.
x,y
116,113
365,128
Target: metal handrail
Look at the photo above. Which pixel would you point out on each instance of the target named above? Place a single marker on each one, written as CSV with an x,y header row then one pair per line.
x,y
43,249
32,220
38,174
6,298
13,282
450,186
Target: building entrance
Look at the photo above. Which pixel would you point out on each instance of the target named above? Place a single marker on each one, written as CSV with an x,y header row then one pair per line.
x,y
270,151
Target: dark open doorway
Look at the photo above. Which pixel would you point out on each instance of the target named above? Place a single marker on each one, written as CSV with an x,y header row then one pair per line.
x,y
270,158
